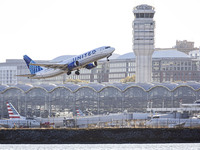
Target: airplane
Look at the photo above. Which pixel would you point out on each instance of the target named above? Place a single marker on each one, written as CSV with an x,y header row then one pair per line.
x,y
195,104
86,60
79,112
173,122
16,120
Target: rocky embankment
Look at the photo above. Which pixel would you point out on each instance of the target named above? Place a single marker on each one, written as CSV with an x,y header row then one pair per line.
x,y
107,135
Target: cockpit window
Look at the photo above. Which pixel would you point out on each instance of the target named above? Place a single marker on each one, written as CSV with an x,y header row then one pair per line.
x,y
107,47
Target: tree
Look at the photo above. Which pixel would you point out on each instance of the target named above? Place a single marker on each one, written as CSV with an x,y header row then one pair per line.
x,y
76,81
128,79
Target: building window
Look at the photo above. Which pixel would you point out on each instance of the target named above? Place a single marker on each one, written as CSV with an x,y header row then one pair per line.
x,y
141,15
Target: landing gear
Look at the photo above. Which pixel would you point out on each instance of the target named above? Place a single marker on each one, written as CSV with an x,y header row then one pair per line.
x,y
69,72
108,57
77,72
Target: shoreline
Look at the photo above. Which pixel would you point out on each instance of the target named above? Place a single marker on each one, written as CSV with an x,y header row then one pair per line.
x,y
99,136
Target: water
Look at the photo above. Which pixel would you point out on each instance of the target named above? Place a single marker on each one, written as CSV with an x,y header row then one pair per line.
x,y
176,146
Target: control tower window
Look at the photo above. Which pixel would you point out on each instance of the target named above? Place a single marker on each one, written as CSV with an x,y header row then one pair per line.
x,y
137,15
151,15
146,15
141,15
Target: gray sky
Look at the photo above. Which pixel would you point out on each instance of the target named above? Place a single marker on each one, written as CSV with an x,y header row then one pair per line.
x,y
45,29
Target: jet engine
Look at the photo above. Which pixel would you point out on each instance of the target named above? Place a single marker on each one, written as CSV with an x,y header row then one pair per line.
x,y
73,65
91,65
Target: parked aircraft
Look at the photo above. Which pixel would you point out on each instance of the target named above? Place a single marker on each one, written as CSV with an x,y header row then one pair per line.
x,y
86,60
16,120
195,104
173,122
79,112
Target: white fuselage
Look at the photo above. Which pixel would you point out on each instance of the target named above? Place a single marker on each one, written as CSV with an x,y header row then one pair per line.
x,y
83,59
10,123
172,122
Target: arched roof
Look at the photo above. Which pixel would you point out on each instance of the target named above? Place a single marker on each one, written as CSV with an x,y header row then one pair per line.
x,y
48,87
169,86
146,86
3,88
24,87
195,86
73,87
96,87
120,86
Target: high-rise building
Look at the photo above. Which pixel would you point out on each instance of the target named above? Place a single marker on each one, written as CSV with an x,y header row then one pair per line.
x,y
143,41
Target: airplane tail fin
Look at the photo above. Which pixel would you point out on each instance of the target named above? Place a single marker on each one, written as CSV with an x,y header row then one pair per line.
x,y
33,69
79,112
13,114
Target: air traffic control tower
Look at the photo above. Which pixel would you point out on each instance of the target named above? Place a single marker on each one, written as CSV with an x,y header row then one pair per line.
x,y
143,41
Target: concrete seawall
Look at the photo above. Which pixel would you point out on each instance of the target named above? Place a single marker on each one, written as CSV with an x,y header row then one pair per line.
x,y
108,135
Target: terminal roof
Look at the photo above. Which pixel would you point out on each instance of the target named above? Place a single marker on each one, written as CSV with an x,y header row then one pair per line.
x,y
99,87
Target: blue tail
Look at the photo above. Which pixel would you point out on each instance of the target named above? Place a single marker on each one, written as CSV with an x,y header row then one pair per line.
x,y
33,69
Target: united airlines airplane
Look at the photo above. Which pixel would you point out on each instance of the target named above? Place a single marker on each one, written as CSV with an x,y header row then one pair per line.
x,y
86,60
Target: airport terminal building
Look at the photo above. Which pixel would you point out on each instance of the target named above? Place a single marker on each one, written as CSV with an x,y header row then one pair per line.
x,y
175,74
47,99
175,78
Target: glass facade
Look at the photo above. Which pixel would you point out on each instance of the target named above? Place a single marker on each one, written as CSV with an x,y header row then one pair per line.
x,y
46,100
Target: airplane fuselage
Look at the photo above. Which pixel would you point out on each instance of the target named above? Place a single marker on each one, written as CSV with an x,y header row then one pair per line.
x,y
10,123
173,122
83,60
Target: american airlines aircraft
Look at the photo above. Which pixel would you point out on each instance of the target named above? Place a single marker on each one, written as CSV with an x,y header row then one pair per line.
x,y
86,60
16,120
79,112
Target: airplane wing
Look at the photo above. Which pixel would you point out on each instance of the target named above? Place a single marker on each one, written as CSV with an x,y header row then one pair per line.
x,y
177,125
4,125
180,124
54,66
26,75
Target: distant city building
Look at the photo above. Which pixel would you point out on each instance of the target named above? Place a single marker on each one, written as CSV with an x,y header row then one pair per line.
x,y
143,41
13,67
7,75
175,70
195,54
184,46
167,66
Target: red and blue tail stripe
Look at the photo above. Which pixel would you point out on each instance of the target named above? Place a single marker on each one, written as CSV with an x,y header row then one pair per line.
x,y
13,114
79,112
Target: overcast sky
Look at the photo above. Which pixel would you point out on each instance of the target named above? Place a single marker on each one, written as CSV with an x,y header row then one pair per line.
x,y
45,29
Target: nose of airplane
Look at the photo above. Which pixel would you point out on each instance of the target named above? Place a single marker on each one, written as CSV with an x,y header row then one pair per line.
x,y
112,49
